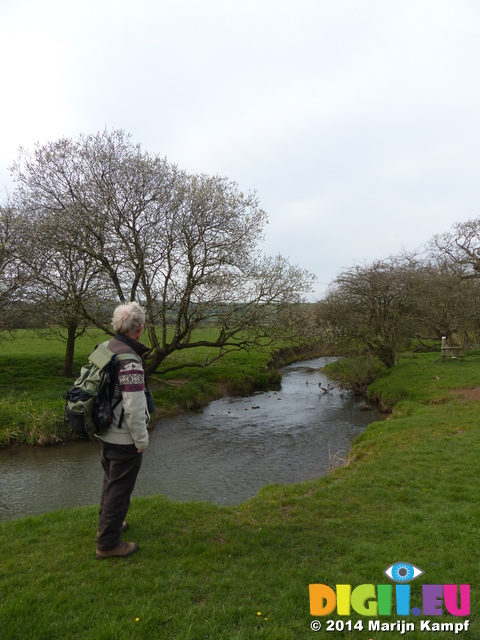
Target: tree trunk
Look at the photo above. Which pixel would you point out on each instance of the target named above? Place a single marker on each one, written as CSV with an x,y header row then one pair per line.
x,y
70,350
387,355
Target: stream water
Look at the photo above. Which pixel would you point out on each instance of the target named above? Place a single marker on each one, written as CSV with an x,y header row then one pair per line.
x,y
224,454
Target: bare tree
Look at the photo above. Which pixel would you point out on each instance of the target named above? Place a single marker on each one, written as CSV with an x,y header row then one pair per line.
x,y
369,308
380,307
460,248
13,276
185,246
68,286
455,256
445,303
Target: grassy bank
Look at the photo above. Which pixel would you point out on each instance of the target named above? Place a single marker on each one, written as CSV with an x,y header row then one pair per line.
x,y
243,572
32,388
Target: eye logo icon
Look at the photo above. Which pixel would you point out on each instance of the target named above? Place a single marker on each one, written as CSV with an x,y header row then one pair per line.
x,y
403,572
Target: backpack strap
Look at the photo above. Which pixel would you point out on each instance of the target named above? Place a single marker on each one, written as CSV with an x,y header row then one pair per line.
x,y
119,357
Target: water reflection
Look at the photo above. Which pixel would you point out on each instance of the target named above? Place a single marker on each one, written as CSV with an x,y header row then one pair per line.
x,y
223,455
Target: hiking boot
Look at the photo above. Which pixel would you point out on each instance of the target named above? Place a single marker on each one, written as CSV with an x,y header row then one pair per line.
x,y
123,550
123,528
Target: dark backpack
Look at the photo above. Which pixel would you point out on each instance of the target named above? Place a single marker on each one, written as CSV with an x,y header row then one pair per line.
x,y
89,402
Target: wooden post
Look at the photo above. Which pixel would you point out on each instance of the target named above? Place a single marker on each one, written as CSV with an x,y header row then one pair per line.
x,y
444,347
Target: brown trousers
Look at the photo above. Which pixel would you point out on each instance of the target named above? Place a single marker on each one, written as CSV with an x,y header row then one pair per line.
x,y
121,464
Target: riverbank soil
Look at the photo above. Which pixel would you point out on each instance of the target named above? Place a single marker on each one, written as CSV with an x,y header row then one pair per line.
x,y
244,572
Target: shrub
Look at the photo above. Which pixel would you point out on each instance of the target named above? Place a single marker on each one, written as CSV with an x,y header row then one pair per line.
x,y
355,374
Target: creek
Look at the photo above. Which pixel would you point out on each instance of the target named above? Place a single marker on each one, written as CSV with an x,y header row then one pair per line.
x,y
224,454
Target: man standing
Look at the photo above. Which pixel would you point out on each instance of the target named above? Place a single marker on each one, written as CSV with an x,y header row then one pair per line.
x,y
126,439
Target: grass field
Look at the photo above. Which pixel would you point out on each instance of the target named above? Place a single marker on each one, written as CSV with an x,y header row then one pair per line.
x,y
32,388
205,571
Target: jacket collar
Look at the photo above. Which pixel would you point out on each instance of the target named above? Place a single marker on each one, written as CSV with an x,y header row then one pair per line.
x,y
137,346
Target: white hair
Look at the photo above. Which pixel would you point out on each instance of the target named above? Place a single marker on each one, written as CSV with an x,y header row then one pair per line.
x,y
127,318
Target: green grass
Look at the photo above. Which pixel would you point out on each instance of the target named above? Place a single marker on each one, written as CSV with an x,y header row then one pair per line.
x,y
426,378
32,388
205,571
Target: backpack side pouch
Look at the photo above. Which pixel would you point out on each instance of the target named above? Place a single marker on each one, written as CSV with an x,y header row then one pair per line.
x,y
79,412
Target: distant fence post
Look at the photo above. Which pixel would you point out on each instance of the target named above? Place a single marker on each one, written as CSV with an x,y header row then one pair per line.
x,y
450,352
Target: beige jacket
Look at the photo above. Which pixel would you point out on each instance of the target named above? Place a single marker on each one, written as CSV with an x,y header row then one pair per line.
x,y
131,417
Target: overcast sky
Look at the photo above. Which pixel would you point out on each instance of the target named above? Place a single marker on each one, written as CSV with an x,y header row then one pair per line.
x,y
356,121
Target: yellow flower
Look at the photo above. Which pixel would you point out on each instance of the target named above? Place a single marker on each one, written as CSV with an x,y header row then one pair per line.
x,y
259,613
137,619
